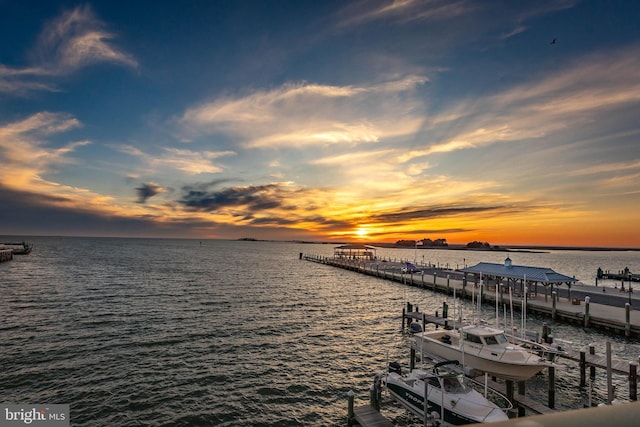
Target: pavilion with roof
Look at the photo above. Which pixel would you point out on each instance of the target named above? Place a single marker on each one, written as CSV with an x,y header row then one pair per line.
x,y
355,251
516,274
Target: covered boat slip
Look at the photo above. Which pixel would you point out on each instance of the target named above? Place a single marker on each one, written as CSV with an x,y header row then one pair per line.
x,y
518,277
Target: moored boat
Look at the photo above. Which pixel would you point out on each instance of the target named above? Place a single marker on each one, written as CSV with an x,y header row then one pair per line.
x,y
450,395
482,348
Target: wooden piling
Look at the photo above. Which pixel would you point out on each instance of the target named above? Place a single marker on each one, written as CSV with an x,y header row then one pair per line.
x,y
521,392
554,300
586,311
551,395
627,324
633,381
609,379
509,390
583,368
350,413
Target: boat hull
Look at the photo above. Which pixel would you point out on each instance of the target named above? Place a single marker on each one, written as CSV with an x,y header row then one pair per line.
x,y
412,399
504,363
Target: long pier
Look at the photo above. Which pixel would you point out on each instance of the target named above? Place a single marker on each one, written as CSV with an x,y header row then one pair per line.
x,y
621,320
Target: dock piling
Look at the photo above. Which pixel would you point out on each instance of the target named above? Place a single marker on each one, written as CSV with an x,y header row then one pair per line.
x,y
586,311
627,324
551,395
583,368
633,381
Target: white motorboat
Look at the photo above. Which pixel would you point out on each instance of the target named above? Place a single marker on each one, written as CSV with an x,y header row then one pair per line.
x,y
482,348
450,395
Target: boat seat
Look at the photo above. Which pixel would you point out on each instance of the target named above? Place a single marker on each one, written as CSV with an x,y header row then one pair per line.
x,y
446,339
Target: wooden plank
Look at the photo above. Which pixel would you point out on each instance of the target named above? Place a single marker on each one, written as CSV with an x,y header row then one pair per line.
x,y
521,400
367,416
617,366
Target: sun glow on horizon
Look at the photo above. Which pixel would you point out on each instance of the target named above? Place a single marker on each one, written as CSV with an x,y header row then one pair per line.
x,y
361,232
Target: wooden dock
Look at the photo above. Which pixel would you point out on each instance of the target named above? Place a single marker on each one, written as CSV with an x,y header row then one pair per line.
x,y
585,359
570,310
367,416
6,254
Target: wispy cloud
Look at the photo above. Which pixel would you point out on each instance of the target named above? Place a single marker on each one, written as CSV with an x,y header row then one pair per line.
x,y
298,115
25,152
75,39
403,11
189,162
591,88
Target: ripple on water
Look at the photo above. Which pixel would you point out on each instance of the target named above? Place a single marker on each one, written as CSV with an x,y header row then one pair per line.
x,y
171,332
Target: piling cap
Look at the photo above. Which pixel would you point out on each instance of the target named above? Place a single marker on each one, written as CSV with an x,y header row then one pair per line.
x,y
350,393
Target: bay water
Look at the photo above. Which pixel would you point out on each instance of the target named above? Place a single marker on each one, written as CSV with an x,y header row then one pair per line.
x,y
170,332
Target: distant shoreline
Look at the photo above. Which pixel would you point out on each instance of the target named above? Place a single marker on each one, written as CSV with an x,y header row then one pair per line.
x,y
460,247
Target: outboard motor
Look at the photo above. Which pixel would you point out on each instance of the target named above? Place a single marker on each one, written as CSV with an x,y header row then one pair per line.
x,y
395,367
415,327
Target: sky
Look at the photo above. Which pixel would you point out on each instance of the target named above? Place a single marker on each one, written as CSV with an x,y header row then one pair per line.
x,y
505,122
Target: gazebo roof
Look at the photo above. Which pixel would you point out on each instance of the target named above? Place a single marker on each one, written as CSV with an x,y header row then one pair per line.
x,y
532,274
355,247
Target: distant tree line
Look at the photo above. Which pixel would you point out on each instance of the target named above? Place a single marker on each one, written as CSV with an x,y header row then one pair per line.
x,y
478,245
438,243
441,243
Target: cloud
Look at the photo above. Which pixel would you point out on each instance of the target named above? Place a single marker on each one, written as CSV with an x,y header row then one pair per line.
x,y
187,161
252,198
590,88
76,39
25,153
402,11
298,115
73,40
147,190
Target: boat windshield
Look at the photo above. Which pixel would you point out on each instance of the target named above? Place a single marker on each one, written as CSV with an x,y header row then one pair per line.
x,y
455,385
495,339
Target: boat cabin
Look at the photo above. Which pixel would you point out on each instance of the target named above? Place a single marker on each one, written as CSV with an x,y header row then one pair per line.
x,y
484,337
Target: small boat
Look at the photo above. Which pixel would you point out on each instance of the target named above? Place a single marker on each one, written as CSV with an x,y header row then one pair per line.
x,y
485,349
450,395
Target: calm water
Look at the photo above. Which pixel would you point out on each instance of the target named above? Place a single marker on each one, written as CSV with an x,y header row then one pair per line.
x,y
146,332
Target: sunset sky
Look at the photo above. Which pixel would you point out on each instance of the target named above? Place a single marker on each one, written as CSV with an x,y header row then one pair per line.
x,y
502,121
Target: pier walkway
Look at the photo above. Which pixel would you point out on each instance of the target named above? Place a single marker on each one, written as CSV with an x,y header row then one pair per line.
x,y
617,312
